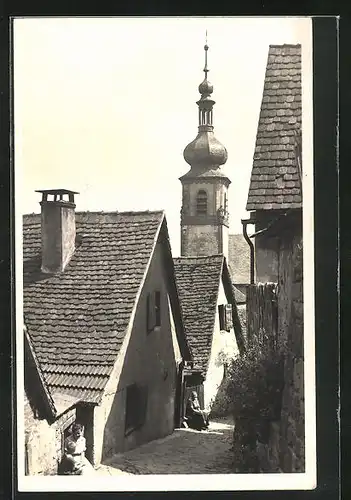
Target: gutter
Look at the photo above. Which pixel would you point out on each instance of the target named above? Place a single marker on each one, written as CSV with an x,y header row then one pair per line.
x,y
245,223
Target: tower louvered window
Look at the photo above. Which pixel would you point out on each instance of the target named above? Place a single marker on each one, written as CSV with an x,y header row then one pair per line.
x,y
201,202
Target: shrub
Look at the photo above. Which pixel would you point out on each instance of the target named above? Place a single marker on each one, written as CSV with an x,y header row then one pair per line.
x,y
256,382
254,388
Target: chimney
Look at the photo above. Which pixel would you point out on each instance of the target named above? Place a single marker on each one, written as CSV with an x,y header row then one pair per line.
x,y
58,229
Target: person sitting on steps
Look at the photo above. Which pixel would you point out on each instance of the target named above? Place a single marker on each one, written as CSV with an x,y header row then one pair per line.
x,y
196,418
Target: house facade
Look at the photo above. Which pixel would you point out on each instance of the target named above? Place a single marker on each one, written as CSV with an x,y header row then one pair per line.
x,y
211,320
104,323
275,203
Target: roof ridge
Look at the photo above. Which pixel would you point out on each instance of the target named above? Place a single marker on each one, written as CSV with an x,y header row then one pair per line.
x,y
110,212
125,212
198,256
278,46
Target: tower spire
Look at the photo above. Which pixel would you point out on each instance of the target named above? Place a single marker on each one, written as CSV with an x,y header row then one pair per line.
x,y
206,70
205,151
204,215
205,102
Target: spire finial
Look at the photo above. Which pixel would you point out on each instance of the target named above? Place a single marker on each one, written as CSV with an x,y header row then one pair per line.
x,y
206,70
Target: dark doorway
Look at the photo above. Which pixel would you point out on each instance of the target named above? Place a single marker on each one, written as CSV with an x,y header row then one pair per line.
x,y
179,397
85,416
194,382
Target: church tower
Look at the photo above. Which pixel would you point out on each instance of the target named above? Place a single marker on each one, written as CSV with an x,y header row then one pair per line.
x,y
204,213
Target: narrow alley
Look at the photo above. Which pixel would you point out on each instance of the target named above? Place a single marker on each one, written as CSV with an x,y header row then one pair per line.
x,y
186,451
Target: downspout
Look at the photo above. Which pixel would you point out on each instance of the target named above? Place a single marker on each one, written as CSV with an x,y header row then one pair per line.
x,y
245,223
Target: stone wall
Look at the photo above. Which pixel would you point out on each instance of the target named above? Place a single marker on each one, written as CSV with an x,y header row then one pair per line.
x,y
292,435
44,442
198,240
285,450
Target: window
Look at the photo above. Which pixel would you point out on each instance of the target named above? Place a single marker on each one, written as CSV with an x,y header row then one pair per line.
x,y
201,202
225,317
136,405
157,308
153,310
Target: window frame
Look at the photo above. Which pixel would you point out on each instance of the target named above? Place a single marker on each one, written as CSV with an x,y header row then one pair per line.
x,y
202,201
157,308
153,310
225,312
138,414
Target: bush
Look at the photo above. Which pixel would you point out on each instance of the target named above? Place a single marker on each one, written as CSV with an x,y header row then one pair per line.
x,y
256,382
221,406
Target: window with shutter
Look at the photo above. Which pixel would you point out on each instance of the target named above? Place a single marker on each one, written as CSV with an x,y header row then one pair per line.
x,y
225,317
221,313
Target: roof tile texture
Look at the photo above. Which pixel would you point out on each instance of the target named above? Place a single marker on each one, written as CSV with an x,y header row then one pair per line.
x,y
77,319
198,280
275,179
239,258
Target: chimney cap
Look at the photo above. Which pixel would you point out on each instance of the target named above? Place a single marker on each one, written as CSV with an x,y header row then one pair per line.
x,y
55,191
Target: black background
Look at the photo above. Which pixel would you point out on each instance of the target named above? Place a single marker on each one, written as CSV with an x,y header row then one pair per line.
x,y
326,163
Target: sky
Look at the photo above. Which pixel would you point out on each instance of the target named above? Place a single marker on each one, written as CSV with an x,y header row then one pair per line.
x,y
106,106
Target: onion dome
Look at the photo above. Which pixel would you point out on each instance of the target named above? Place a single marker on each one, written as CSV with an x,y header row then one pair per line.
x,y
205,87
205,151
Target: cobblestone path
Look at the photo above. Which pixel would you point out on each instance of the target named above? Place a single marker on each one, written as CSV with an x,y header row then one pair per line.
x,y
186,451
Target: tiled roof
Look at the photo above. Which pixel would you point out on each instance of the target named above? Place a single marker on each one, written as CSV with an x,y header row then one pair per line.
x,y
240,297
77,319
198,280
37,392
239,258
275,180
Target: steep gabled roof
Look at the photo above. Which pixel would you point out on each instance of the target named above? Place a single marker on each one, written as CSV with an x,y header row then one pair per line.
x,y
240,297
198,280
37,395
239,258
77,319
276,177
